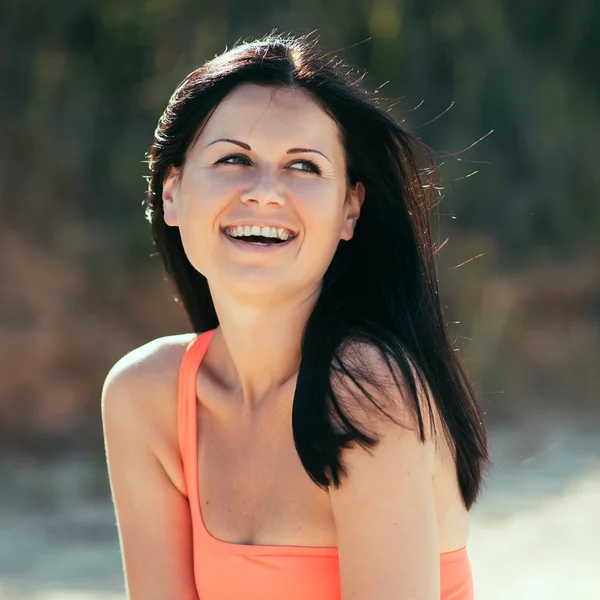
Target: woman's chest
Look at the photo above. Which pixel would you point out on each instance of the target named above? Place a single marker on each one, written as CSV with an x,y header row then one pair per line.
x,y
253,488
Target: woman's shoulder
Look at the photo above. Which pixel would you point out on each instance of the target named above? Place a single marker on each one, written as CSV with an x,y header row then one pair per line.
x,y
368,371
151,367
139,396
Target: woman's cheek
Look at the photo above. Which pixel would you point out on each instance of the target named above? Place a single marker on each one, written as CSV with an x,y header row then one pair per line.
x,y
206,196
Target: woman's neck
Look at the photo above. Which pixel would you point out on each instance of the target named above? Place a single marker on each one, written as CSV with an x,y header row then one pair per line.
x,y
257,347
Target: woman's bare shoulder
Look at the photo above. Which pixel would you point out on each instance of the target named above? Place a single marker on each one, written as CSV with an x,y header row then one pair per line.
x,y
153,363
154,357
139,396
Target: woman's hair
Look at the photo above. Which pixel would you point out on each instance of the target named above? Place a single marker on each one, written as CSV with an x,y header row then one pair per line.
x,y
381,286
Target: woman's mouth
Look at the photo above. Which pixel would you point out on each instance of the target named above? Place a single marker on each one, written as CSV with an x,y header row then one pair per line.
x,y
258,242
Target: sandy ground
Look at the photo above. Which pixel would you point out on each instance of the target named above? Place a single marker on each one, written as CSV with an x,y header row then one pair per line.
x,y
535,534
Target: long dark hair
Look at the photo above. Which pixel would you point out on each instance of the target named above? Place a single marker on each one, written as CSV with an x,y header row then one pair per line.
x,y
381,286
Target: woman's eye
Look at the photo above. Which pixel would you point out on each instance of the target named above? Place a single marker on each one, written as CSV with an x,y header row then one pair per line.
x,y
312,167
234,159
305,166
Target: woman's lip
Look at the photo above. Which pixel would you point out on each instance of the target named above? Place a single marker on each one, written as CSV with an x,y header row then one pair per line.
x,y
250,247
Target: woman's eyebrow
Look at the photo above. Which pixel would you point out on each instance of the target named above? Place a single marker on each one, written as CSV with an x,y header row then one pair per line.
x,y
242,144
296,150
247,147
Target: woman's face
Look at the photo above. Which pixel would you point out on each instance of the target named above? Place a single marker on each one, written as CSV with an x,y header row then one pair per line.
x,y
267,157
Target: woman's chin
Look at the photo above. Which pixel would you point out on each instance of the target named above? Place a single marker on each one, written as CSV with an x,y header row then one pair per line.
x,y
266,283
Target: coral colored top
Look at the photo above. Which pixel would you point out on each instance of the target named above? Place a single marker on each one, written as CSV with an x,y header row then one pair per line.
x,y
225,570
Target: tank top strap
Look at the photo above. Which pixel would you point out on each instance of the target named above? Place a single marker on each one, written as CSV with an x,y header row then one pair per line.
x,y
187,399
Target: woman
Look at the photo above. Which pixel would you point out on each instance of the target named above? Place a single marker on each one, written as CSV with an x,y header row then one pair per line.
x,y
316,437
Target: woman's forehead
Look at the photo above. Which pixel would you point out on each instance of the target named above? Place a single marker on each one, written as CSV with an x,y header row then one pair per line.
x,y
254,111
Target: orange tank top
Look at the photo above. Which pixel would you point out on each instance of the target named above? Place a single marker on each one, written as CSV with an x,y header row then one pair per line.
x,y
224,570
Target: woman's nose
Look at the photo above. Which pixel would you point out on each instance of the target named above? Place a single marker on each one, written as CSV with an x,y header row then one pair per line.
x,y
263,190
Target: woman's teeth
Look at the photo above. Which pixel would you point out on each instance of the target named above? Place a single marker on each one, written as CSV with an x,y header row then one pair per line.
x,y
275,233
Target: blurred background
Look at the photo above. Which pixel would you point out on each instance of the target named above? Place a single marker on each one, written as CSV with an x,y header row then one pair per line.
x,y
82,85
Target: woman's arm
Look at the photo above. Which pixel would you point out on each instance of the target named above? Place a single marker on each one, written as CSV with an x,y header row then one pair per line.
x,y
139,413
385,510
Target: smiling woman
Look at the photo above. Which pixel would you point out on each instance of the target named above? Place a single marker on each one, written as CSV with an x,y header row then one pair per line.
x,y
316,435
253,166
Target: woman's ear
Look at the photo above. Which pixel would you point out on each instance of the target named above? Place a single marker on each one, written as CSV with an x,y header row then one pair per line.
x,y
169,196
354,201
